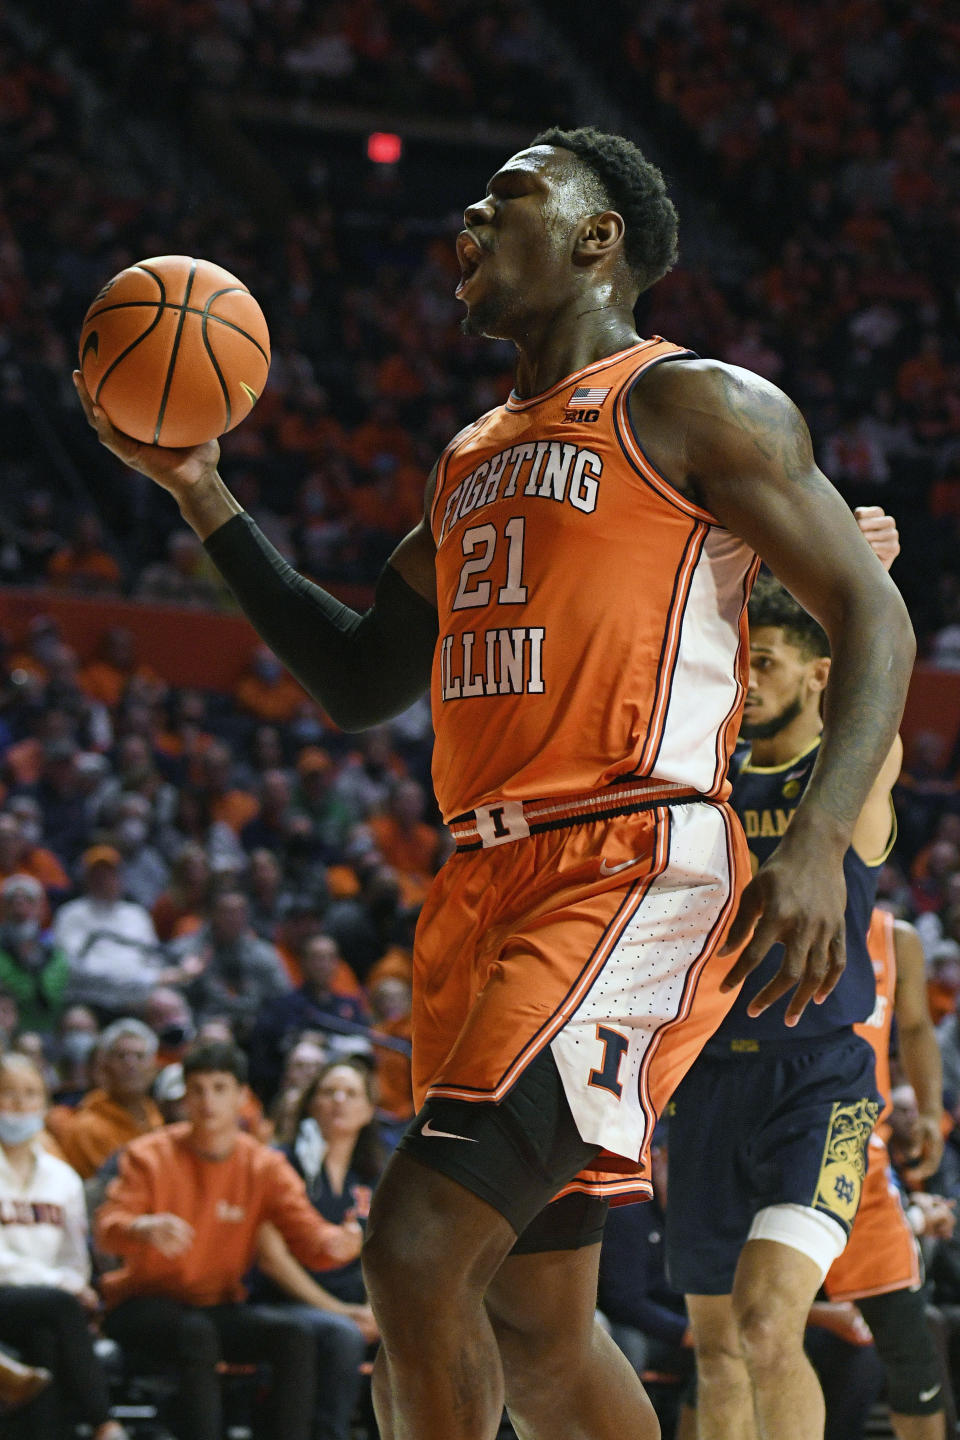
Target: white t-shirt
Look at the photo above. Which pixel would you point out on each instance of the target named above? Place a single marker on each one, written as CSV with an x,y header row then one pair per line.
x,y
43,1225
112,950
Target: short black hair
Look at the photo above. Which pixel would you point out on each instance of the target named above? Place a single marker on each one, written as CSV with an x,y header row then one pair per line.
x,y
773,606
635,188
221,1056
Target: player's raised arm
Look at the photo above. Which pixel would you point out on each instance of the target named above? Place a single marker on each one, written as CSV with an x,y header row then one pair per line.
x,y
363,669
748,459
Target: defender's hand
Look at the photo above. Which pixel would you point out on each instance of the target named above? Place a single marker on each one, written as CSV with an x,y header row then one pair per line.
x,y
880,532
175,470
797,898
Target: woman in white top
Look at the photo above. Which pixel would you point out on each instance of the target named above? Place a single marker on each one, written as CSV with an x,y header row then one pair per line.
x,y
45,1294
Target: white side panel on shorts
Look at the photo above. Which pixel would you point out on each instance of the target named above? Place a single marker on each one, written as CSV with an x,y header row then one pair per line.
x,y
647,979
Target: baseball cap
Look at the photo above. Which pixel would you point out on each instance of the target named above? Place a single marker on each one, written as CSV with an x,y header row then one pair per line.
x,y
101,855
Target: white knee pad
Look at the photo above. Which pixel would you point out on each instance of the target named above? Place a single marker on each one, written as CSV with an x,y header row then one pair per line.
x,y
814,1234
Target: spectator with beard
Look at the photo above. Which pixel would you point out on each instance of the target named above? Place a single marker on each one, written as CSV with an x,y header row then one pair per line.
x,y
32,968
238,972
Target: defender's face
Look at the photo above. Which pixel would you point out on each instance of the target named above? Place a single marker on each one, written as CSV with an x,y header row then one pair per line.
x,y
779,686
514,252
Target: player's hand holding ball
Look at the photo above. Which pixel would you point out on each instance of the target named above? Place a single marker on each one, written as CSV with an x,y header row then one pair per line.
x,y
173,353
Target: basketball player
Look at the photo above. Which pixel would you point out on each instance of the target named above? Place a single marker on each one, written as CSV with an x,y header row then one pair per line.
x,y
880,1267
577,591
770,1126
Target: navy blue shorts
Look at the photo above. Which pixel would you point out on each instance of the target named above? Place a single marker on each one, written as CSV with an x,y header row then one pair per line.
x,y
782,1123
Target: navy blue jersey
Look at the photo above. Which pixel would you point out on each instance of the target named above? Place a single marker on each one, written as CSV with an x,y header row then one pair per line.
x,y
765,798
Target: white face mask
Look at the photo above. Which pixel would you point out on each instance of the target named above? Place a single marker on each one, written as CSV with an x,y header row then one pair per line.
x,y
16,1129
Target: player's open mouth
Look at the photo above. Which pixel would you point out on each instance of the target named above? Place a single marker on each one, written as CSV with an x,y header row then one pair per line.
x,y
470,256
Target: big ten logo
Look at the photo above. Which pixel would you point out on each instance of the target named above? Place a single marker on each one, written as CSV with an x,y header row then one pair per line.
x,y
573,416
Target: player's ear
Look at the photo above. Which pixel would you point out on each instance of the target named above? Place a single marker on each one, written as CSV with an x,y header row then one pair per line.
x,y
599,237
820,673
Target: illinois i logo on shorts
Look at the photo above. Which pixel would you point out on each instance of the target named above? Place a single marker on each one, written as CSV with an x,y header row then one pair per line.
x,y
844,1162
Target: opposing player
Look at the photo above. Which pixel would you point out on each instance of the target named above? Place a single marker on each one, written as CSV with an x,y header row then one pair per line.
x,y
769,1128
880,1267
577,590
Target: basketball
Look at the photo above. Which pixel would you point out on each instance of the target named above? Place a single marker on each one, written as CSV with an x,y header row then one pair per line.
x,y
175,351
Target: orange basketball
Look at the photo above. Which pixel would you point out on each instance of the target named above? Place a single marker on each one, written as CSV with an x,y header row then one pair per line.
x,y
175,351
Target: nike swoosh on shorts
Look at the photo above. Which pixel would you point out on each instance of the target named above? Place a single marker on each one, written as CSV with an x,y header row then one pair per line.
x,y
432,1134
606,869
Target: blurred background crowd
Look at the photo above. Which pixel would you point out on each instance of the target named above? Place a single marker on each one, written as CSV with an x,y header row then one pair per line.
x,y
222,866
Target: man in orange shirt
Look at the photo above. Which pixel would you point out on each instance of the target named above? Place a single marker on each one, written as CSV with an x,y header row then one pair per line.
x,y
184,1213
118,1111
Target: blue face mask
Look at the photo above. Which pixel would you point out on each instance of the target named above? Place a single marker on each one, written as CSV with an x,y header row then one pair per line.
x,y
16,1129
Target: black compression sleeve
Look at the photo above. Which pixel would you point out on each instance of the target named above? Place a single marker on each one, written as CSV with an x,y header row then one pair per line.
x,y
363,669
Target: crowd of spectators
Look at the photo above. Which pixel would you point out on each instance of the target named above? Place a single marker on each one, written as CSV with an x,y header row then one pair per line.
x,y
830,135
836,161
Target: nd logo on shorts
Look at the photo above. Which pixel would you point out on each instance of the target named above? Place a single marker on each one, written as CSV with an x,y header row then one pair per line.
x,y
844,1162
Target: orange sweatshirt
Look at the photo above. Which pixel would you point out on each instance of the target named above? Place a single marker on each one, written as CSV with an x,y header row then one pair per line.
x,y
224,1200
98,1126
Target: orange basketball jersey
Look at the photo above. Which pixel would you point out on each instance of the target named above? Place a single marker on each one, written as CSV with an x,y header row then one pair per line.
x,y
876,1028
592,619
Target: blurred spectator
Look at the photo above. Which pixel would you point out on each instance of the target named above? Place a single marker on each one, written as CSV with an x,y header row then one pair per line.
x,y
184,1213
24,853
183,578
313,1006
273,826
106,677
238,973
228,804
193,821
120,1108
409,846
180,908
45,1294
61,796
170,1018
79,1031
304,1061
266,690
269,897
144,872
110,943
339,1154
32,968
84,565
329,813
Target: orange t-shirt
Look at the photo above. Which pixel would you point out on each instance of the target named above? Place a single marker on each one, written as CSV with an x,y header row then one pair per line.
x,y
225,1201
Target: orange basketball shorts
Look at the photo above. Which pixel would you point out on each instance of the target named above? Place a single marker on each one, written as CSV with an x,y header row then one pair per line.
x,y
600,939
881,1254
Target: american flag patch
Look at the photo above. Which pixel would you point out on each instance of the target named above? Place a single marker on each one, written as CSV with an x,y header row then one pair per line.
x,y
583,395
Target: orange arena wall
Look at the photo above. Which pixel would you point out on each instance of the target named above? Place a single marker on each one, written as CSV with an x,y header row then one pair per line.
x,y
199,648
